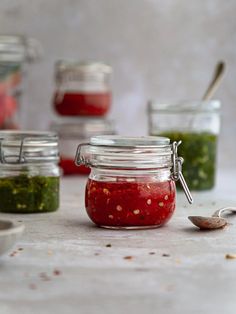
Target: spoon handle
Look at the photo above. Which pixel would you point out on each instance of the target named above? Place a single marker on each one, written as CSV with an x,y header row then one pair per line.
x,y
219,212
219,71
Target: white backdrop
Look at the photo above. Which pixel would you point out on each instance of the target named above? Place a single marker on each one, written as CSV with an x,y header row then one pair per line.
x,y
162,49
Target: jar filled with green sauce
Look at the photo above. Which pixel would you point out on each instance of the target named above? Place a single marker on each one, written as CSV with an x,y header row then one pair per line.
x,y
29,172
197,125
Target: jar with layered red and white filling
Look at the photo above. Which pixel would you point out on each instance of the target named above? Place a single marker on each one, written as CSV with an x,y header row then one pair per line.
x,y
132,181
82,88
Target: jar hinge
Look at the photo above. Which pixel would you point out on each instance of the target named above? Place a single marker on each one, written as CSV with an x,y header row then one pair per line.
x,y
79,158
20,157
177,171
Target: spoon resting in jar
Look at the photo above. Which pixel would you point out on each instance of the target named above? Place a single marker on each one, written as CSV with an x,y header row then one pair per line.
x,y
213,222
215,81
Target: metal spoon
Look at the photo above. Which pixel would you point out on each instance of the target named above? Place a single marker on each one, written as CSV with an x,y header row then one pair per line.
x,y
213,222
215,82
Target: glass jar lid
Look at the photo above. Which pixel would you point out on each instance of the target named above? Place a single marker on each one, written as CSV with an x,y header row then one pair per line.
x,y
82,128
185,106
66,70
106,151
20,147
19,48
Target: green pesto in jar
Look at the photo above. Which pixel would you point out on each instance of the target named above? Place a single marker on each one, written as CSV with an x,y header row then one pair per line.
x,y
199,153
29,194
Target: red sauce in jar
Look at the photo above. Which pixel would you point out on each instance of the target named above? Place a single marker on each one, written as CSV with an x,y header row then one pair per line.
x,y
83,104
68,166
130,204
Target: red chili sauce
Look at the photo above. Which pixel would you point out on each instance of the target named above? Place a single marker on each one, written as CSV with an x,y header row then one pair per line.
x,y
130,204
68,166
83,104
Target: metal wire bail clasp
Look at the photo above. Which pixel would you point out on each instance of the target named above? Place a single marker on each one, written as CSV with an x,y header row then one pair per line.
x,y
177,171
12,159
81,159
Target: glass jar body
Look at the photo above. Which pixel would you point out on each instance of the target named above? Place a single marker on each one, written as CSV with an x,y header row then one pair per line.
x,y
130,199
82,89
16,51
74,131
10,91
197,125
31,188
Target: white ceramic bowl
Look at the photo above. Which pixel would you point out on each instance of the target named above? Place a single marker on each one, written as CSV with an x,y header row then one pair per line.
x,y
9,233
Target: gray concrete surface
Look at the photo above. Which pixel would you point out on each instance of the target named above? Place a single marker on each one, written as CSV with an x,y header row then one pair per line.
x,y
62,265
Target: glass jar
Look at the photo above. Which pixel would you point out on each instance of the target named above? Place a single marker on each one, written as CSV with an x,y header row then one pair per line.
x,y
82,89
73,131
132,181
29,174
15,52
197,125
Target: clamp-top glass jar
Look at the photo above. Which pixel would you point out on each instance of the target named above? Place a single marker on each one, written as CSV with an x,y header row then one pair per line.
x,y
197,125
132,180
71,132
82,88
29,174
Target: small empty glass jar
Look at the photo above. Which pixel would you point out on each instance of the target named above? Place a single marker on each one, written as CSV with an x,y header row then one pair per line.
x,y
29,174
74,131
197,125
132,181
82,88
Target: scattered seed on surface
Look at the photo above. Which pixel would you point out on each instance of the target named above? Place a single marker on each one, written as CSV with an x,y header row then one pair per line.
x,y
152,253
44,276
32,286
128,257
166,255
96,254
119,208
20,249
136,211
56,272
230,256
161,204
14,253
149,201
108,245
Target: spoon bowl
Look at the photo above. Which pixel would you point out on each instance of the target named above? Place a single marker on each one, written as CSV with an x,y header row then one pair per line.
x,y
213,222
207,223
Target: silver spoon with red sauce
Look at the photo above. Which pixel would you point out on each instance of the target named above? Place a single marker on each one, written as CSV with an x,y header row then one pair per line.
x,y
213,222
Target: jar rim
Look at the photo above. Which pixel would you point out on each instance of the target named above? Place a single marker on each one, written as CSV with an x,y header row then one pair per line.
x,y
120,152
18,147
82,127
63,66
212,105
128,141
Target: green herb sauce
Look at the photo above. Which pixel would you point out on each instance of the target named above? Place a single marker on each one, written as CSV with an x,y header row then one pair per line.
x,y
199,153
25,194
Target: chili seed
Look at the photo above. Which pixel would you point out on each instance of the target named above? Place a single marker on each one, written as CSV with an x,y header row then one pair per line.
x,y
166,197
119,208
111,216
106,191
136,211
149,201
161,204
